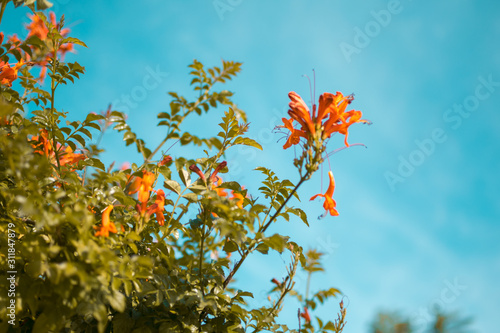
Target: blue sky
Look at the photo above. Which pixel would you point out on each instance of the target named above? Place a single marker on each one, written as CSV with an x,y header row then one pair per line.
x,y
419,208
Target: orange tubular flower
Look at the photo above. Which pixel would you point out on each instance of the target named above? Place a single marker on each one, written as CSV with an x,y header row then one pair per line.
x,y
133,186
213,177
347,119
329,117
1,37
147,181
339,120
300,112
68,157
329,204
276,282
197,170
156,208
295,135
9,74
160,204
14,39
166,160
65,48
43,143
106,226
143,186
306,314
239,199
37,27
44,147
221,192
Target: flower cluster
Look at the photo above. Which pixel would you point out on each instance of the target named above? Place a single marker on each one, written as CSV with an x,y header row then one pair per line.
x,y
106,225
38,55
317,126
38,28
43,146
143,186
7,73
329,117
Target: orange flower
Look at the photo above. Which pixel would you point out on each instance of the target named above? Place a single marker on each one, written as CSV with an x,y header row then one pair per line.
x,y
143,185
295,135
1,37
347,119
9,74
213,176
329,118
68,157
306,315
329,204
221,192
158,207
37,27
239,198
43,142
45,147
197,170
133,186
300,112
165,160
276,282
106,225
339,120
65,48
147,181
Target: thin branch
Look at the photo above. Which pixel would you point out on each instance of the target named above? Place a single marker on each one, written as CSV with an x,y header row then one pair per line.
x,y
263,229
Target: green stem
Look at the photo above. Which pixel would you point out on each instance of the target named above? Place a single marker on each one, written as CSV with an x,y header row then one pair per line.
x,y
262,230
307,285
198,101
201,260
52,111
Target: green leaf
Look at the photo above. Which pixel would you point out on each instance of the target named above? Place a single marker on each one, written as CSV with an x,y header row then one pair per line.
x,y
185,176
78,138
192,197
93,117
247,142
230,246
74,41
117,301
172,185
277,242
300,213
86,132
262,248
231,185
